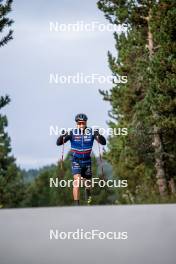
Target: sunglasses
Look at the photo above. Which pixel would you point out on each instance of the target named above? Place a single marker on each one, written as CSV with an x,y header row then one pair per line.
x,y
81,122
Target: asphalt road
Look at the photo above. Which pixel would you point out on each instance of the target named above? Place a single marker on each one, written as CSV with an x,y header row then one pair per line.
x,y
151,230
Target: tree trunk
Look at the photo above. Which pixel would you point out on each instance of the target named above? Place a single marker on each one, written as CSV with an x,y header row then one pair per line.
x,y
157,142
172,186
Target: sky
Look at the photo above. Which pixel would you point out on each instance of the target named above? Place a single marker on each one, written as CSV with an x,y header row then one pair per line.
x,y
27,62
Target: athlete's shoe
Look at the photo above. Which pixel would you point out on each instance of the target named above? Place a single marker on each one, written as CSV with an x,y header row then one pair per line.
x,y
89,200
76,203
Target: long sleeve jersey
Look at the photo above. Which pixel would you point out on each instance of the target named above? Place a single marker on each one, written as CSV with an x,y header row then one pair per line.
x,y
81,142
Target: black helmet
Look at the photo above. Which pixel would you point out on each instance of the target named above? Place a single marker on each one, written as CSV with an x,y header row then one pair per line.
x,y
81,117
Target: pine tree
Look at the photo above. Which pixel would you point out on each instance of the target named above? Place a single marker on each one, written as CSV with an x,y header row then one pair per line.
x,y
5,22
162,52
11,183
141,47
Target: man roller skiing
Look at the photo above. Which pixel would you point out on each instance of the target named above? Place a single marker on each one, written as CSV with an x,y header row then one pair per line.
x,y
81,139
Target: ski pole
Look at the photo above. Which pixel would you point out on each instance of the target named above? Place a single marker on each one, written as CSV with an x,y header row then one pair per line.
x,y
101,161
62,156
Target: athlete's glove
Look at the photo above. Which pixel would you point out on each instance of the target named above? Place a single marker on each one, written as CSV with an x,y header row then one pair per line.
x,y
63,138
100,138
96,133
64,133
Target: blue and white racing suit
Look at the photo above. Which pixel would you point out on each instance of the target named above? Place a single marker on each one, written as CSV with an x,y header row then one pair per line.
x,y
81,147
